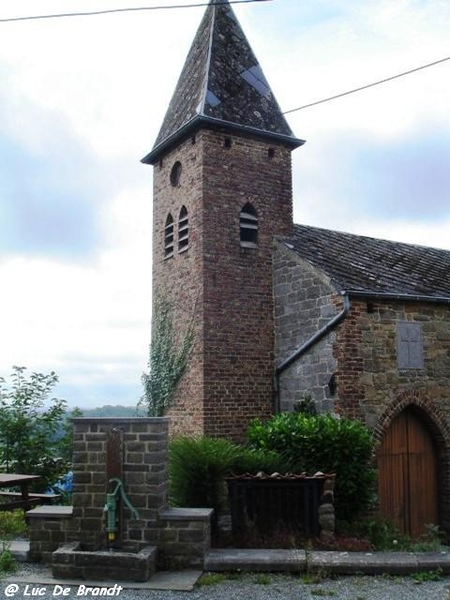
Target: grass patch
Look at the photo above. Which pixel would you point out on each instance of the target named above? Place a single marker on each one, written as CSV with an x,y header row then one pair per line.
x,y
12,524
263,579
208,579
424,576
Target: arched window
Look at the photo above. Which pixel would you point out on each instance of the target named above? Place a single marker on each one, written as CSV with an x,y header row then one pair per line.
x,y
249,226
168,237
183,230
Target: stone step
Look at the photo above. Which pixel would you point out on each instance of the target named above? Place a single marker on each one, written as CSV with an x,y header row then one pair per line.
x,y
333,562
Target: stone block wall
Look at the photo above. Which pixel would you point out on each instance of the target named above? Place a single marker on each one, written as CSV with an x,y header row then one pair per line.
x,y
145,477
50,526
185,535
182,537
304,303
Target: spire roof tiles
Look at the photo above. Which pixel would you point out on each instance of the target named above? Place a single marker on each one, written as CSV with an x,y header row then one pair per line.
x,y
221,84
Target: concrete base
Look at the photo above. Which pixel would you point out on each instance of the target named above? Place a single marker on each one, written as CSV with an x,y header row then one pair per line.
x,y
71,562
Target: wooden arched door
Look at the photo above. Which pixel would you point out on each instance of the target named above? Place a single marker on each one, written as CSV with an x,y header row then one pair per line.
x,y
407,474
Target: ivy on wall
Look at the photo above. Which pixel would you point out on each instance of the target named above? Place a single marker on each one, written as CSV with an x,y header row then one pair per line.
x,y
169,354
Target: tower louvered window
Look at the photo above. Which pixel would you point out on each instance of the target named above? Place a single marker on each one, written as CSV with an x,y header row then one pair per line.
x,y
249,226
183,230
168,237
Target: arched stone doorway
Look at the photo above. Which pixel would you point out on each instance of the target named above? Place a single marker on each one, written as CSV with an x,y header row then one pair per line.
x,y
408,472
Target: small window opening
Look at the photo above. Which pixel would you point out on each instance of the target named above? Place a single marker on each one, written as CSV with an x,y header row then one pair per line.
x,y
193,139
249,227
332,385
168,237
183,230
227,142
175,174
161,162
271,152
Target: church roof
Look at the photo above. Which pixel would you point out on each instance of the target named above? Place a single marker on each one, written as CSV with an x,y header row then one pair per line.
x,y
221,84
367,266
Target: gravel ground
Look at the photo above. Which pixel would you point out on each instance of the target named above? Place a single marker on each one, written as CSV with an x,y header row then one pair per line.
x,y
259,587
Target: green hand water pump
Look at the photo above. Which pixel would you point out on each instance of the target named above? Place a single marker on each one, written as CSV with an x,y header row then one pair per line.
x,y
112,500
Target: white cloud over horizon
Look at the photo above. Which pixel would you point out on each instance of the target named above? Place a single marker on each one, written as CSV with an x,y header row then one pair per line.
x,y
82,101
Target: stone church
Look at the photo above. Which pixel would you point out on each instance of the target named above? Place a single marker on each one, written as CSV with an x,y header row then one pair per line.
x,y
285,312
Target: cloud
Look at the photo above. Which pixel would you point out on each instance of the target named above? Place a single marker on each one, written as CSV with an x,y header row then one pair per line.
x,y
402,180
82,101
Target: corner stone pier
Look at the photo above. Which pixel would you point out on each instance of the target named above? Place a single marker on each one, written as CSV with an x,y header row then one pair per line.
x,y
136,451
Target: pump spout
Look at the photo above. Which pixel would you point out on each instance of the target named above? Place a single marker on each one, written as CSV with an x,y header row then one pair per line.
x,y
111,508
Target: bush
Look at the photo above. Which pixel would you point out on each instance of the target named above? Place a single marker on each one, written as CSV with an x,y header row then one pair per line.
x,y
198,468
311,443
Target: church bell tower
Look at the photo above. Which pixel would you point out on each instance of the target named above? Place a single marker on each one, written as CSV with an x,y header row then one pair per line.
x,y
222,191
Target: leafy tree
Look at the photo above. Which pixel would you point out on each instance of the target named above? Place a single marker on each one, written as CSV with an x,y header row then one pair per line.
x,y
31,426
169,354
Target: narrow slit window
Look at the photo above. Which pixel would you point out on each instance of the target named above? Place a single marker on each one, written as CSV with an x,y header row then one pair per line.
x,y
183,230
409,346
168,237
249,227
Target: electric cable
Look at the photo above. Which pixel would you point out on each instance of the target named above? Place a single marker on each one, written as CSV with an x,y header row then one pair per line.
x,y
369,85
122,10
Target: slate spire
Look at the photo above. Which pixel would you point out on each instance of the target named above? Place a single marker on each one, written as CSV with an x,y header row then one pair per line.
x,y
221,84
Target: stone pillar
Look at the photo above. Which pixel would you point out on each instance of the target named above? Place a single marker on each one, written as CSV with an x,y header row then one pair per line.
x,y
327,520
144,475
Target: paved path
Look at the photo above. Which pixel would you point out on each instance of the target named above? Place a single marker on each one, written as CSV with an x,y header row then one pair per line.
x,y
257,587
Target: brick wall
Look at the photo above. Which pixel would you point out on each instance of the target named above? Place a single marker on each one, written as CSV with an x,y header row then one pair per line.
x,y
229,379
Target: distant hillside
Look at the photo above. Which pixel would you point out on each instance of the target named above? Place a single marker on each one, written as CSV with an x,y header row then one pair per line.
x,y
112,411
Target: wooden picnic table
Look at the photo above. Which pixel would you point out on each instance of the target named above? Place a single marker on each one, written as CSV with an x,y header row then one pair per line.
x,y
23,499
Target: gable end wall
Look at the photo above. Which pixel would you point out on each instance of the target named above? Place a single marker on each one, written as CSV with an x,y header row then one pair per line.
x,y
305,301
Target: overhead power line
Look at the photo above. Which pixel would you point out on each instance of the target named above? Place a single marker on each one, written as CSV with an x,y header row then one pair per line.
x,y
369,85
121,10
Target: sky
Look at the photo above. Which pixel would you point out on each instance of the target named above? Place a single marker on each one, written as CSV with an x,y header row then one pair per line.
x,y
81,102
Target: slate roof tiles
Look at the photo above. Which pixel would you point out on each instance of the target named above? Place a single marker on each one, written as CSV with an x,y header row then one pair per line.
x,y
374,266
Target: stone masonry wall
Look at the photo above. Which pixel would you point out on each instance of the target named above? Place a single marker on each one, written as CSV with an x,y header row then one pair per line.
x,y
182,536
145,478
369,379
304,303
372,387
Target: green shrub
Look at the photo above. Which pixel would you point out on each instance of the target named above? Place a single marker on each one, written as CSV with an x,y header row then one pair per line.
x,y
198,468
7,561
253,460
311,443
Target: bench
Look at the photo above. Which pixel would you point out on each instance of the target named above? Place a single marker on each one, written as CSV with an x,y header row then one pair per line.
x,y
15,500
